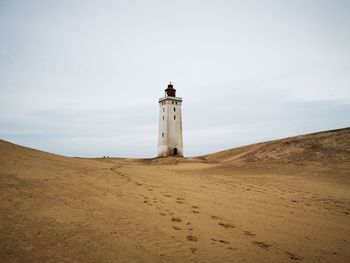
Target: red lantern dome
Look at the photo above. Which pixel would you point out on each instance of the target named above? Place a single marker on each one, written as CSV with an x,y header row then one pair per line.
x,y
170,91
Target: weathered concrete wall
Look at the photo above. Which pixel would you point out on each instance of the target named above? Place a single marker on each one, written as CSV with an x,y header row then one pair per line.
x,y
170,128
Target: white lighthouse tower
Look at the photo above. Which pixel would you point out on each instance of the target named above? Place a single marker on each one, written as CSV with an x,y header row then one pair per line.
x,y
170,124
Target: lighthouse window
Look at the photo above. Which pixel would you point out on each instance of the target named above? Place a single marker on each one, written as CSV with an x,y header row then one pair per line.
x,y
162,134
174,117
163,117
176,103
172,102
174,109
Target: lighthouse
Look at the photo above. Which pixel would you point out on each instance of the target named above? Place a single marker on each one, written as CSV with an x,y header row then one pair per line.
x,y
170,124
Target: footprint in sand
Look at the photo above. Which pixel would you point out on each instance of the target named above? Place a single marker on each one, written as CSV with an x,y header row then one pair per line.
x,y
293,256
226,225
220,240
262,244
180,200
248,233
192,238
176,219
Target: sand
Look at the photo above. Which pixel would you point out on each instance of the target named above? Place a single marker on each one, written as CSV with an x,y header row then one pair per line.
x,y
281,201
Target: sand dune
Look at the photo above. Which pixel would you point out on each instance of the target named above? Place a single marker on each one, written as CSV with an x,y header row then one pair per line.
x,y
280,201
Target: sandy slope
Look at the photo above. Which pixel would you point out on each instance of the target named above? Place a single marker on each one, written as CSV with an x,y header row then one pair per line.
x,y
280,201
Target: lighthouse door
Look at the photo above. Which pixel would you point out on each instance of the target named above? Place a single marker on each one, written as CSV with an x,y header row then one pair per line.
x,y
175,151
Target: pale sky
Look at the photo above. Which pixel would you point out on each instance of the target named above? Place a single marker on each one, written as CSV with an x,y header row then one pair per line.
x,y
83,78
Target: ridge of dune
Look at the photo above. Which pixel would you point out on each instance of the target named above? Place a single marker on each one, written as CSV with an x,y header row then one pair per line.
x,y
322,152
10,149
332,144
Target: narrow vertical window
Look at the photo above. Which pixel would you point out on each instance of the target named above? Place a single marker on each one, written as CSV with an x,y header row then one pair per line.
x,y
162,134
174,109
172,102
163,117
174,117
176,103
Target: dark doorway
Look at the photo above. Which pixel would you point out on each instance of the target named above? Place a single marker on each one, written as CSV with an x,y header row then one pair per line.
x,y
175,151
